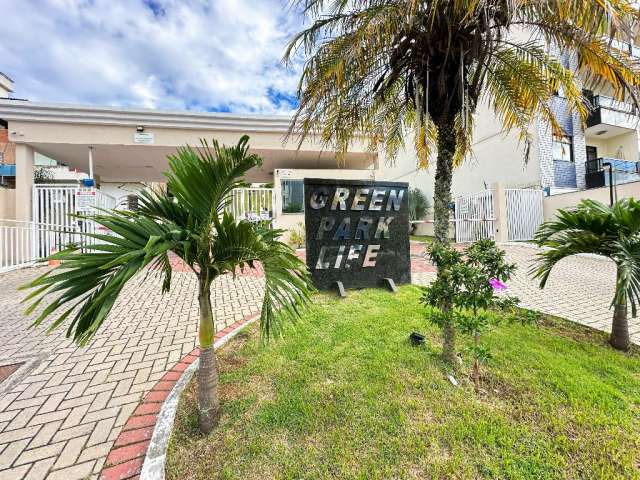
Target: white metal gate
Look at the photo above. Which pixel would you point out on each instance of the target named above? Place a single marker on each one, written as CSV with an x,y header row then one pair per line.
x,y
474,217
53,210
253,204
524,213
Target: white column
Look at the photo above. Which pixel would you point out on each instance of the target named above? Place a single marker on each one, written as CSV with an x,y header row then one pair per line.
x,y
24,181
500,213
91,163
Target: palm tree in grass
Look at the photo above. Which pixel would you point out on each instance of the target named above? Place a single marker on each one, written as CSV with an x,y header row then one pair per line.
x,y
194,226
613,232
398,70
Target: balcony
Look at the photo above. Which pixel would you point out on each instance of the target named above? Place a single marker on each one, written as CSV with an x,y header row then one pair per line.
x,y
610,117
597,174
626,47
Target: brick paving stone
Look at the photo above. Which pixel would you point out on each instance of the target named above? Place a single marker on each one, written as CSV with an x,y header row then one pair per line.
x,y
75,401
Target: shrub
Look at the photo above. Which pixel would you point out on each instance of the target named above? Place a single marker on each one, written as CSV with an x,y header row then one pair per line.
x,y
469,282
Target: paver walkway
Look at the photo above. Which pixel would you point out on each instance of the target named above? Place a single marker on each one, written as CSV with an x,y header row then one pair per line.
x,y
61,412
580,289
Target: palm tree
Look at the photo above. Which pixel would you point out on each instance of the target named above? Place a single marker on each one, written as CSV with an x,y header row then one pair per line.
x,y
382,69
613,232
194,226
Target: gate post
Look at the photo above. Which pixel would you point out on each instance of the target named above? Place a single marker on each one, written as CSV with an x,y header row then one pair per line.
x,y
24,182
500,226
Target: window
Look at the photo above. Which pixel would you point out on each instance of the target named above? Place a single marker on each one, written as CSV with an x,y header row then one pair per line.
x,y
292,196
563,148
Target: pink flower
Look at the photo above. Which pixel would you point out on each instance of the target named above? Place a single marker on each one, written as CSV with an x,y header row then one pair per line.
x,y
497,285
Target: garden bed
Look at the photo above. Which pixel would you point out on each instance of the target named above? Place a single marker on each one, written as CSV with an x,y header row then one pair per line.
x,y
345,395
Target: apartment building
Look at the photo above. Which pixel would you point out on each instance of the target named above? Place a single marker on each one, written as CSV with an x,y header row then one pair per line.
x,y
583,157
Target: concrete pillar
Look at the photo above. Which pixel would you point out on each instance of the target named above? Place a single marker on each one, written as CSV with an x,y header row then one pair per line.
x,y
24,181
500,213
277,201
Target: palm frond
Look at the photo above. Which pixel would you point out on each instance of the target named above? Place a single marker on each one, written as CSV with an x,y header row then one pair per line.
x,y
287,281
89,280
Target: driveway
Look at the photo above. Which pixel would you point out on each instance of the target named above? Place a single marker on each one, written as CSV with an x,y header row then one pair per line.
x,y
62,410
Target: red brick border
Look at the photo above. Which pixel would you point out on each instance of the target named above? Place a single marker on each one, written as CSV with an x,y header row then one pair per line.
x,y
125,460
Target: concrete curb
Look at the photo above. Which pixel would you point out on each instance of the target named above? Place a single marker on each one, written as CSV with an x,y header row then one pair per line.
x,y
155,460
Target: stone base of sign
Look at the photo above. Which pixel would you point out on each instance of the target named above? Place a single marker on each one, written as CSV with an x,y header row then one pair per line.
x,y
390,284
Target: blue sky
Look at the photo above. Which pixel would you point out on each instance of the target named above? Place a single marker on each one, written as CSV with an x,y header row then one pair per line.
x,y
216,55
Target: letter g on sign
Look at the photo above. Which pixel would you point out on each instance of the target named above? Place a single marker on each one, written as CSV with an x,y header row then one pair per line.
x,y
319,197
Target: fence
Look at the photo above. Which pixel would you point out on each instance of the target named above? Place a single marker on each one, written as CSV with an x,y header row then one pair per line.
x,y
55,228
20,243
474,217
252,204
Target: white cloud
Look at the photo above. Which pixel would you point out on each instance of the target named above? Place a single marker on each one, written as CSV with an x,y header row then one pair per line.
x,y
174,54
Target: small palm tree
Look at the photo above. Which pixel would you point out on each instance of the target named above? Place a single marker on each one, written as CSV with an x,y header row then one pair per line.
x,y
613,232
397,71
194,226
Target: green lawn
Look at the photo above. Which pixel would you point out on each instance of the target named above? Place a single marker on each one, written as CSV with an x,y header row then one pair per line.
x,y
421,238
345,395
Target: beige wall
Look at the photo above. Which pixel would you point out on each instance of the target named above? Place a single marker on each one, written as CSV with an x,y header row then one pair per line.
x,y
566,200
69,133
289,221
7,204
24,181
623,146
497,157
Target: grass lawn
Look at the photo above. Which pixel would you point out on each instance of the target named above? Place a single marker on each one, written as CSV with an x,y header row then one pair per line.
x,y
345,395
421,238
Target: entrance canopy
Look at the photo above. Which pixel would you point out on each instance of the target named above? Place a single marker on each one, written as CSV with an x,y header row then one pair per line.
x,y
131,145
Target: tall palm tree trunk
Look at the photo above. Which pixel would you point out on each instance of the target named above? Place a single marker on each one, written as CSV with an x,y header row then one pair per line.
x,y
441,201
208,402
620,327
444,176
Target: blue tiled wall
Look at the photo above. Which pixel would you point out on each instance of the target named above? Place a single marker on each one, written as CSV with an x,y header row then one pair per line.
x,y
565,174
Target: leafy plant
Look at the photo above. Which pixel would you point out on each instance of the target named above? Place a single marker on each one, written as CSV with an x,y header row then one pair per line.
x,y
193,225
297,237
401,71
42,175
613,232
418,205
292,208
468,284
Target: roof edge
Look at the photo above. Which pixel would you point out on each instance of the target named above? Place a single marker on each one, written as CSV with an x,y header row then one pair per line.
x,y
109,115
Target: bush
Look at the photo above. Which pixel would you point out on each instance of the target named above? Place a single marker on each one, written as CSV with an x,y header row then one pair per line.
x,y
466,290
297,237
418,205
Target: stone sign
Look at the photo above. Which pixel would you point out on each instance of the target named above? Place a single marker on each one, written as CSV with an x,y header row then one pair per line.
x,y
357,232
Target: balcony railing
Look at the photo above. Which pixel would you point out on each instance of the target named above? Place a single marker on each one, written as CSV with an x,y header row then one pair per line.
x,y
609,111
601,101
624,171
626,47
